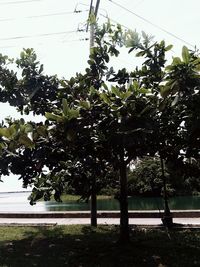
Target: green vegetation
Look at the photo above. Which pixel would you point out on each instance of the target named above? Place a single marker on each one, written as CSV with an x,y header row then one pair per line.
x,y
99,121
68,197
183,178
89,247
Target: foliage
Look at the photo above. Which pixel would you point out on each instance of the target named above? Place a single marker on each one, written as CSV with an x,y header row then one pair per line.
x,y
146,178
99,121
183,178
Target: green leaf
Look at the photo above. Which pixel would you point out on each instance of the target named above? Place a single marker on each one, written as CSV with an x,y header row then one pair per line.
x,y
84,104
12,145
93,91
140,54
165,91
185,54
73,113
105,86
176,61
8,132
26,141
41,69
169,47
2,145
105,98
126,94
116,91
144,90
196,63
28,128
42,131
65,106
175,101
54,117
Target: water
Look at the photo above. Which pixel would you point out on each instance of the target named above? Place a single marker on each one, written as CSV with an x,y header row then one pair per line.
x,y
18,202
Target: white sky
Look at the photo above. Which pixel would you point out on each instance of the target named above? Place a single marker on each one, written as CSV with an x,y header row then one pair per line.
x,y
65,54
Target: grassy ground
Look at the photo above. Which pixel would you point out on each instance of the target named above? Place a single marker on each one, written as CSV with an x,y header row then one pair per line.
x,y
67,197
83,246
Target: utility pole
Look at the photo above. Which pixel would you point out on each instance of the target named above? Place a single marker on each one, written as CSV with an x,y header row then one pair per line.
x,y
92,11
93,203
92,30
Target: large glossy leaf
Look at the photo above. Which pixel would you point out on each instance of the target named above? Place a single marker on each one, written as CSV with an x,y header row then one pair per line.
x,y
165,90
116,91
176,61
54,117
105,98
65,106
169,47
26,141
185,55
8,132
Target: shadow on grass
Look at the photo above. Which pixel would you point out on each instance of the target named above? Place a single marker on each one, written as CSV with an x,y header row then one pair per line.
x,y
84,246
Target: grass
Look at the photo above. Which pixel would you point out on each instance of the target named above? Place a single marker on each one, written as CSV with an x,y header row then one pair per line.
x,y
67,197
83,246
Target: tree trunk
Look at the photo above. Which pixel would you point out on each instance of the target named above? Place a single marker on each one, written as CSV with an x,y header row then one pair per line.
x,y
124,224
167,218
93,205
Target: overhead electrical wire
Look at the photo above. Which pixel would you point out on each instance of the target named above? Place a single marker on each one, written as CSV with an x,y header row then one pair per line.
x,y
37,35
19,2
42,43
151,23
45,15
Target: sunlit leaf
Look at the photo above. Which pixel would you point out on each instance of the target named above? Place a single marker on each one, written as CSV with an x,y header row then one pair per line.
x,y
54,117
185,54
169,47
175,101
84,104
8,132
26,141
105,98
176,61
28,128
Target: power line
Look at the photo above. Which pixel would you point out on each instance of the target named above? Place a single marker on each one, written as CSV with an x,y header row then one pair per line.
x,y
37,35
19,2
151,23
45,15
41,43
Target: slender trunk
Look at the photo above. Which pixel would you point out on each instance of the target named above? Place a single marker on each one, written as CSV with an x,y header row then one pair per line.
x,y
124,220
167,219
93,207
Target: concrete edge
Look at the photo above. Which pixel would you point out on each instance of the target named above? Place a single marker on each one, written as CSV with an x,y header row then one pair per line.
x,y
100,214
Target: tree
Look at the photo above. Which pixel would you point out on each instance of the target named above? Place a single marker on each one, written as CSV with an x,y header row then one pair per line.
x,y
98,122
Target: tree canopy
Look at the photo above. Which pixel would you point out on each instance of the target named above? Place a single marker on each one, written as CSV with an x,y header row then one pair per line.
x,y
98,122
